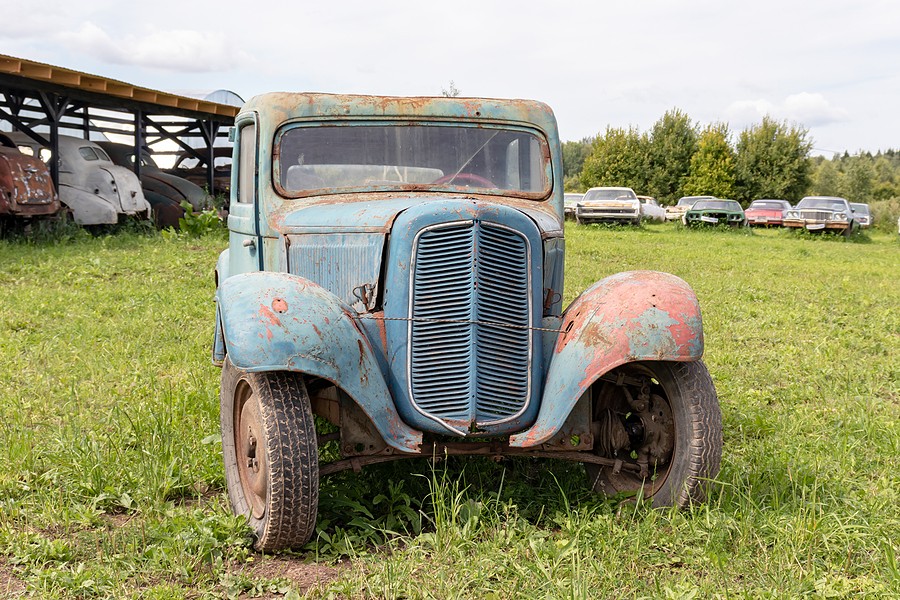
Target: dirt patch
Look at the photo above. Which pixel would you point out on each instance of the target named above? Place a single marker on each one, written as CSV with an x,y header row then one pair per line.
x,y
302,575
118,520
10,585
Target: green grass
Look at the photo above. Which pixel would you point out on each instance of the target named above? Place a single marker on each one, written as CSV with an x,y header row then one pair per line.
x,y
111,484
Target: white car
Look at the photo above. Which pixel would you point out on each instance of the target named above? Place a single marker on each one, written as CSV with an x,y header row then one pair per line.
x,y
862,214
609,204
684,204
96,190
651,210
570,201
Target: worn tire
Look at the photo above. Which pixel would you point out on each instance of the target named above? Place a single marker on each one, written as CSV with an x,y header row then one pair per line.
x,y
266,417
697,451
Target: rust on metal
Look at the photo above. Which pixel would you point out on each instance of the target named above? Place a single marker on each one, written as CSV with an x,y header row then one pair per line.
x,y
438,450
279,305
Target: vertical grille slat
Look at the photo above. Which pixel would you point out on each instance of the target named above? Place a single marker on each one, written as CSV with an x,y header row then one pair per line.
x,y
476,273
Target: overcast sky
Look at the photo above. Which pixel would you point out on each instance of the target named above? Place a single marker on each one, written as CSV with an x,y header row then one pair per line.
x,y
832,66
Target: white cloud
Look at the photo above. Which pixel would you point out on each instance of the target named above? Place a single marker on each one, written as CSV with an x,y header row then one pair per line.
x,y
807,109
812,110
178,50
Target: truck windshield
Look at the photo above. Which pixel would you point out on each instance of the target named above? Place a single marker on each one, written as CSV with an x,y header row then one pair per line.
x,y
411,156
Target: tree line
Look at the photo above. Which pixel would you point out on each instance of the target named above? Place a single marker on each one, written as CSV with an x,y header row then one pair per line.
x,y
771,159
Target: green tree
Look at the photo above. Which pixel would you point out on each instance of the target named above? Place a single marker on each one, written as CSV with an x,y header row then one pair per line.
x,y
858,182
451,92
886,179
772,162
711,169
574,154
826,180
617,158
673,141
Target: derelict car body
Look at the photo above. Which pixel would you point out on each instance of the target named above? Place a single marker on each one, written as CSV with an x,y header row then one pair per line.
x,y
26,189
403,259
97,191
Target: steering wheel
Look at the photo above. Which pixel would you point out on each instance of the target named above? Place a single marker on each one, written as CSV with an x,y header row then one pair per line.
x,y
466,179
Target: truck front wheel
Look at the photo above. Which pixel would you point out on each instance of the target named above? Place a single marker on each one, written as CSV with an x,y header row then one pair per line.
x,y
271,456
661,423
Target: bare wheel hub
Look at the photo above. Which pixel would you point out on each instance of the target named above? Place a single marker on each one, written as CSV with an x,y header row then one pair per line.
x,y
637,425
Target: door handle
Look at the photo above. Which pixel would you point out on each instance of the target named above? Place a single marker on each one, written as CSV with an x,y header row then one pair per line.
x,y
251,243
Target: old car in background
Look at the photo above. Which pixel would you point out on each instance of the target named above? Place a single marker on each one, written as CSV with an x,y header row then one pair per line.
x,y
609,205
165,192
676,212
194,169
570,202
862,214
395,267
767,212
96,190
822,213
26,189
718,211
651,210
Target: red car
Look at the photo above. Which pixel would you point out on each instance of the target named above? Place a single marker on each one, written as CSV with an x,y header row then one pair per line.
x,y
26,190
766,212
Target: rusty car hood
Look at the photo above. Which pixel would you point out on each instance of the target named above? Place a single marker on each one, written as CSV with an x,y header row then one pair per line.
x,y
376,212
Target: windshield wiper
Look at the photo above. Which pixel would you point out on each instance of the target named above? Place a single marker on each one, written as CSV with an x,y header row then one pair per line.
x,y
471,158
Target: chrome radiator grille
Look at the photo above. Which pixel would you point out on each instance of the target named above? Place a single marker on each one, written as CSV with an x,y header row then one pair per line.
x,y
815,215
470,337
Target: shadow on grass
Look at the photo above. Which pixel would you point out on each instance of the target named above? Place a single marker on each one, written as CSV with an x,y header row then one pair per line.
x,y
406,498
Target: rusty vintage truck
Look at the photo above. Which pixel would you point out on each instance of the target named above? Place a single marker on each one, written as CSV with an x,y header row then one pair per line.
x,y
395,267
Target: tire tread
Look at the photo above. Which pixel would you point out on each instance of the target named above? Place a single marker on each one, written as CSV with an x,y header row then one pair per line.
x,y
291,451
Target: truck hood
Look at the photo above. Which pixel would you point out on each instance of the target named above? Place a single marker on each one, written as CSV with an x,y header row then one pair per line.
x,y
376,213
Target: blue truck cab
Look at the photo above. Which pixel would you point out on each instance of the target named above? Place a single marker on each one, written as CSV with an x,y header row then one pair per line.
x,y
395,267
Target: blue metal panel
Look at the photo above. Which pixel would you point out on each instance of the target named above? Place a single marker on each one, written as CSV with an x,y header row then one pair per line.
x,y
465,297
554,252
342,213
339,262
276,321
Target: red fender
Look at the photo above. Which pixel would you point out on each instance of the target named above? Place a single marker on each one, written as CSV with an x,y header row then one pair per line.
x,y
627,317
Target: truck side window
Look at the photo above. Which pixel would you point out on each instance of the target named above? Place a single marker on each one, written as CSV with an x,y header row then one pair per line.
x,y
247,164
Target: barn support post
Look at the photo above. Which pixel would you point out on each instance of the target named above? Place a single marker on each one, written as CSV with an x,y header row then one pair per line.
x,y
139,133
55,106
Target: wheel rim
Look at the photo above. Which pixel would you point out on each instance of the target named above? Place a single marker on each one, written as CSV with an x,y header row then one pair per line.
x,y
250,447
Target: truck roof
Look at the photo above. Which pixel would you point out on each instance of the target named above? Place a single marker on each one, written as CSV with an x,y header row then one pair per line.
x,y
304,105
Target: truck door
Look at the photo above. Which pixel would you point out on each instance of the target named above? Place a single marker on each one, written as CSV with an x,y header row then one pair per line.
x,y
245,244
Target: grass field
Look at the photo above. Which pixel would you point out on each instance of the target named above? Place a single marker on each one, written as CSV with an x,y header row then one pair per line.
x,y
111,484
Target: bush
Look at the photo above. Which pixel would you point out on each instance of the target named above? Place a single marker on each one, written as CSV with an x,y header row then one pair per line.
x,y
199,224
886,213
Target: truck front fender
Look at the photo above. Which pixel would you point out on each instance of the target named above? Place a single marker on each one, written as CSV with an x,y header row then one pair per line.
x,y
281,322
627,317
